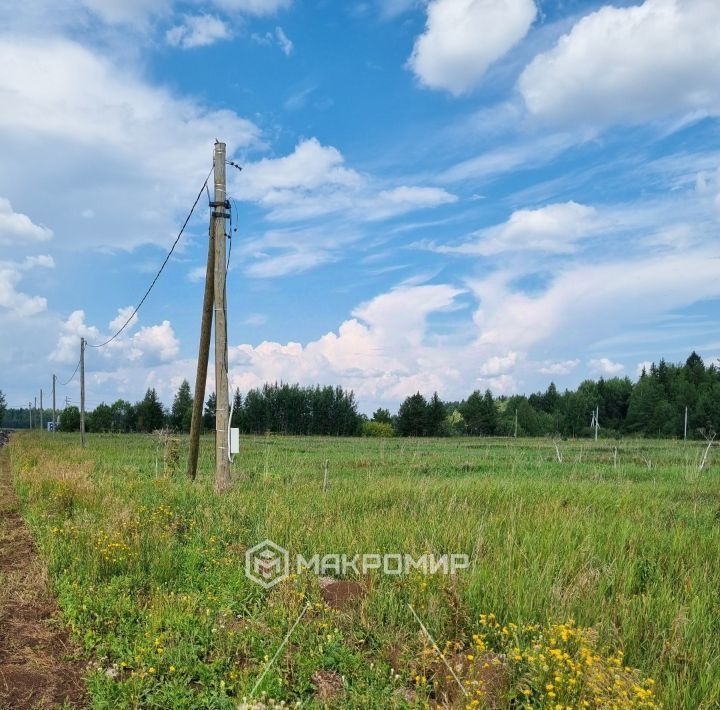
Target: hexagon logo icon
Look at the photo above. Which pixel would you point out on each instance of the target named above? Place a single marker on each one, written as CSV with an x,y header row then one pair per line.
x,y
267,564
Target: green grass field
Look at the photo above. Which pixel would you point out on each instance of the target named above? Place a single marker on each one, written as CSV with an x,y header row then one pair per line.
x,y
582,571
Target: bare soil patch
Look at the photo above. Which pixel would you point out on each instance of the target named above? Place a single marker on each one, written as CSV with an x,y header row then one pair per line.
x,y
39,667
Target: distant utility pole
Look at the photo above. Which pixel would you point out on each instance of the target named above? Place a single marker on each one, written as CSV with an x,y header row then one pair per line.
x,y
41,412
686,422
30,411
54,427
219,217
82,392
35,410
595,421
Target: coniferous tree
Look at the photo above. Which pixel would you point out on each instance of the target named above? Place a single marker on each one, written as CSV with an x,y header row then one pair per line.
x,y
181,412
150,412
412,416
209,414
435,418
237,414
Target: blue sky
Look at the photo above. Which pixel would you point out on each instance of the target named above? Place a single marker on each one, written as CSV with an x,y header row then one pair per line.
x,y
444,195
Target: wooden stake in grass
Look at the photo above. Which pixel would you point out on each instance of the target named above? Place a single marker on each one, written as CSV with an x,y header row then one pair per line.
x,y
709,437
557,452
325,476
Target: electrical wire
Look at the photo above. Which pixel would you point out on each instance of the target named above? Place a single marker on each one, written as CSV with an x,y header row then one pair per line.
x,y
77,367
164,264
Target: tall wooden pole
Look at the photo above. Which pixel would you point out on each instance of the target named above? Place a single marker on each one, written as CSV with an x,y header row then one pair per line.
x,y
54,426
82,392
220,215
203,356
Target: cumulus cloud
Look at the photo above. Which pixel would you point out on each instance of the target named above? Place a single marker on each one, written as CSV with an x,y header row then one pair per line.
x,y
606,367
463,37
630,64
137,152
16,302
18,229
313,181
564,367
499,364
587,302
553,229
380,352
197,31
148,346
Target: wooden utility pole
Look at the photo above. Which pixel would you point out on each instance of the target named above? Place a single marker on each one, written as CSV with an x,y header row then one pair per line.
x,y
54,427
219,217
82,392
42,418
203,355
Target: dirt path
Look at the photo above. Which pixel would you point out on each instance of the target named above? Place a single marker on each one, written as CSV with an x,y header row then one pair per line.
x,y
36,665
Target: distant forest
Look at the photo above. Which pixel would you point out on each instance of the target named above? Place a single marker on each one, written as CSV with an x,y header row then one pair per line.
x,y
654,406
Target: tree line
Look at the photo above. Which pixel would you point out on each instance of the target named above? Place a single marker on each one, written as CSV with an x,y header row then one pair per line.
x,y
654,406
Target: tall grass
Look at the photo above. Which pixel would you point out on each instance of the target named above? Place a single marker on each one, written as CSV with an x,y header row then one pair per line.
x,y
149,568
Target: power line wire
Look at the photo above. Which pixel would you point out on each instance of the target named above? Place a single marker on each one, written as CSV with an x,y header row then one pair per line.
x,y
77,367
164,264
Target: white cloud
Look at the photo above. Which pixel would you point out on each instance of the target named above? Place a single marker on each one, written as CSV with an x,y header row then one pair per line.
x,y
155,341
604,366
380,352
127,11
284,43
11,273
499,364
149,346
122,318
552,229
254,7
197,274
310,166
313,181
135,14
278,38
564,367
197,31
463,37
138,153
630,64
590,301
18,229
